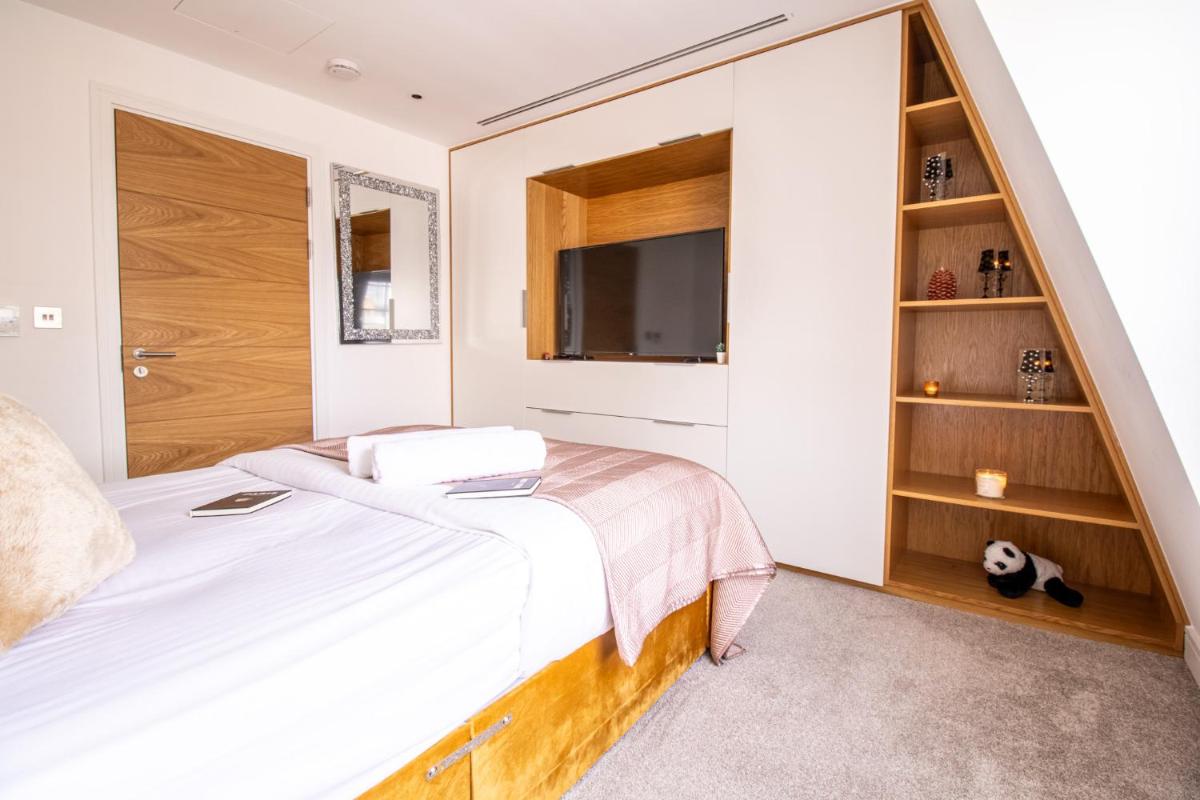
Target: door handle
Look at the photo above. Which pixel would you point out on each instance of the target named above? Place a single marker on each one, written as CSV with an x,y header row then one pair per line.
x,y
141,352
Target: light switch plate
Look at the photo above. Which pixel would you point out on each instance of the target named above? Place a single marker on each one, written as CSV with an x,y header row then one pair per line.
x,y
10,320
47,317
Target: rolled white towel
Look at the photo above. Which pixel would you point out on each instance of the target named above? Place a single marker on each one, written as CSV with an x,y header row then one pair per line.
x,y
457,458
359,448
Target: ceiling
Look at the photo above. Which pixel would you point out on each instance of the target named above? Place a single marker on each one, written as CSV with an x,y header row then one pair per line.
x,y
469,59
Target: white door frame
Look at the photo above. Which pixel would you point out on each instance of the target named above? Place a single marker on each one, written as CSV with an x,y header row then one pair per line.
x,y
104,100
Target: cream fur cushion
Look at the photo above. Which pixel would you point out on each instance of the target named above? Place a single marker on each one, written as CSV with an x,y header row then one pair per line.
x,y
59,537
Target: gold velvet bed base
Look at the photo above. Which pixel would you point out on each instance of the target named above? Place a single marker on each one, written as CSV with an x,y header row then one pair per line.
x,y
560,721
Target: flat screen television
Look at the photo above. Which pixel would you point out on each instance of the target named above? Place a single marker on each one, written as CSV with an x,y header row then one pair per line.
x,y
657,298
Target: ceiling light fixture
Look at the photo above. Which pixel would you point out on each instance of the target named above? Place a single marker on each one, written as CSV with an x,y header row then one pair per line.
x,y
343,69
645,65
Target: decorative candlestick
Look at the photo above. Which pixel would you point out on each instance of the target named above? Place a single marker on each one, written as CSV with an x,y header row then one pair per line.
x,y
991,483
931,388
1004,263
987,265
1048,375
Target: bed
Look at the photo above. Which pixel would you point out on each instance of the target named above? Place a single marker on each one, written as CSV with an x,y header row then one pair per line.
x,y
351,640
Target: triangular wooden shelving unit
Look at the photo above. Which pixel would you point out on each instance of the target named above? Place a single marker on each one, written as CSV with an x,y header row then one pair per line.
x,y
1071,497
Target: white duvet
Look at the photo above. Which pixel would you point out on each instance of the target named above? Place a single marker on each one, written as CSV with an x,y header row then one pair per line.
x,y
307,650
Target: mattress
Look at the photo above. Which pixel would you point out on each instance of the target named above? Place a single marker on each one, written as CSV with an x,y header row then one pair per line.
x,y
308,650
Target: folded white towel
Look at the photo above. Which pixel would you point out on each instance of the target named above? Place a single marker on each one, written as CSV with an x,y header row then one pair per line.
x,y
457,458
359,448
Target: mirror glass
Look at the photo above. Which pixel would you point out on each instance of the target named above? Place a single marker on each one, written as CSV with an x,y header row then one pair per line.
x,y
387,245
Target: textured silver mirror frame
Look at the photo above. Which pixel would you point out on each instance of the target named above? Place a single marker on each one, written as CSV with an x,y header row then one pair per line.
x,y
343,178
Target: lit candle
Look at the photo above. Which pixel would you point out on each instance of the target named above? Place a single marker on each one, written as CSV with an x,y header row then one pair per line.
x,y
932,388
991,483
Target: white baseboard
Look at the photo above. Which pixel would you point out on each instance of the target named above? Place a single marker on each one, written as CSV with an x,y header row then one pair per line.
x,y
1191,650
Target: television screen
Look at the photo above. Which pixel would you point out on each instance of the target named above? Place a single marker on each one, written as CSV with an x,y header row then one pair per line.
x,y
661,297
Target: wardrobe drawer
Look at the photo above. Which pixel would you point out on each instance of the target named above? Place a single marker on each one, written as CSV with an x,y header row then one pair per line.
x,y
677,392
704,444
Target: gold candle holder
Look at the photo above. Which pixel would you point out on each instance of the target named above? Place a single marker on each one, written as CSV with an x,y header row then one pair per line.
x,y
931,388
991,483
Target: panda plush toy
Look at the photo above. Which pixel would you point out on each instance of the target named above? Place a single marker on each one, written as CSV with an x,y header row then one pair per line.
x,y
1013,573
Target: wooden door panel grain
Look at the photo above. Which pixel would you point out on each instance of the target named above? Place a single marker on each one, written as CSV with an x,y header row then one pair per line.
x,y
159,158
213,242
160,234
175,444
211,381
163,310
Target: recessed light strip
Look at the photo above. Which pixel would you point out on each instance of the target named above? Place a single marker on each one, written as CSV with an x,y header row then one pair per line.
x,y
616,76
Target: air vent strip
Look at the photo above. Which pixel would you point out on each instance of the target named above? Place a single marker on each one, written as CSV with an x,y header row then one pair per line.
x,y
645,65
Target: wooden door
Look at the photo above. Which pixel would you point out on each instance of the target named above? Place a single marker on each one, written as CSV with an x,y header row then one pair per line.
x,y
213,238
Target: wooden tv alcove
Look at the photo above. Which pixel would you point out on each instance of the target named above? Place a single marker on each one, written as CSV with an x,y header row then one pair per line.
x,y
677,187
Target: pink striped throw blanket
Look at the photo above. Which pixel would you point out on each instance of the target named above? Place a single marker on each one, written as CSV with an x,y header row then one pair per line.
x,y
665,528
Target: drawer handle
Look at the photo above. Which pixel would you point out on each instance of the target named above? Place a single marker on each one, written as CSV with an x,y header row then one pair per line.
x,y
555,411
674,422
679,139
457,755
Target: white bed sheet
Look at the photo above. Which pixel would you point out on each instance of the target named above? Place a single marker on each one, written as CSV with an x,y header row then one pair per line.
x,y
568,600
308,650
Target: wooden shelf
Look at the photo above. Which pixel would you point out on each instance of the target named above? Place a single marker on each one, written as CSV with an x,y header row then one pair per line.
x,y
655,166
975,304
936,523
992,401
1037,501
1105,613
959,211
939,120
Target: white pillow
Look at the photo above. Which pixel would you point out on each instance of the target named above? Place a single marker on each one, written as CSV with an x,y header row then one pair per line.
x,y
359,449
423,462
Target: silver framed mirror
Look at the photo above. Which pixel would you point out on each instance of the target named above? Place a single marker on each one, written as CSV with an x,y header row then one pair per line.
x,y
388,258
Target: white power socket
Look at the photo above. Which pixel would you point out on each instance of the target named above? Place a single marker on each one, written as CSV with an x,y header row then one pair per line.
x,y
47,317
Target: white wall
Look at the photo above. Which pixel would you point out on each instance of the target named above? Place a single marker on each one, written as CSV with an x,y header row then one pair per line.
x,y
46,220
1102,85
1125,144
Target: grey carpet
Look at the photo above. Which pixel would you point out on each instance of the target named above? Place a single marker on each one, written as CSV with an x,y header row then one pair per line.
x,y
849,693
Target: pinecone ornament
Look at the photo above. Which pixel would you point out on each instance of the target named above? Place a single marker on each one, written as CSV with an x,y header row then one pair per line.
x,y
942,285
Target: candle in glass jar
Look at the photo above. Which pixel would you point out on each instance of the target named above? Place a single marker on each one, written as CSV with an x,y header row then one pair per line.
x,y
932,388
991,483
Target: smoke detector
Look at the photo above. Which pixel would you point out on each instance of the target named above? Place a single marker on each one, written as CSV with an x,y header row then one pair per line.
x,y
343,69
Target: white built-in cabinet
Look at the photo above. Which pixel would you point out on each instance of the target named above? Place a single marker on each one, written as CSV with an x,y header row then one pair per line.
x,y
701,103
681,409
813,258
487,213
798,420
488,226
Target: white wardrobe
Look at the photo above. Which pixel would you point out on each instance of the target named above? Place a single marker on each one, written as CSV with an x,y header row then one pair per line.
x,y
798,420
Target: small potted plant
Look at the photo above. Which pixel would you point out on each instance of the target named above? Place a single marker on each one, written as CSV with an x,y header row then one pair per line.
x,y
720,352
